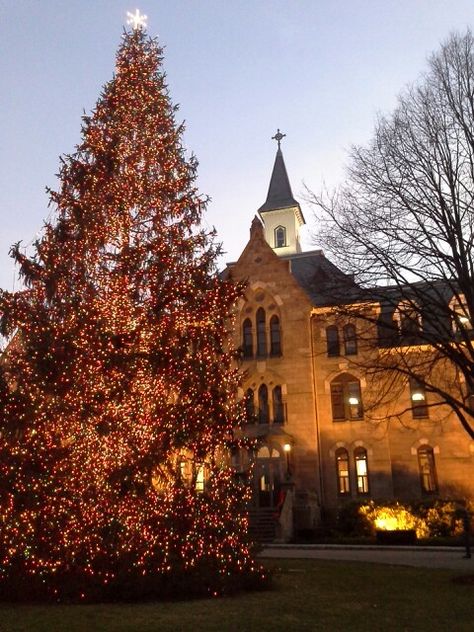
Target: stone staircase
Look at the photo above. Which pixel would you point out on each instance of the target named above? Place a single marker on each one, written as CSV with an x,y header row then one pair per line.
x,y
262,524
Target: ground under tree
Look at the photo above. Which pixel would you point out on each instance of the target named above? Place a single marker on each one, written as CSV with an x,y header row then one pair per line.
x,y
117,392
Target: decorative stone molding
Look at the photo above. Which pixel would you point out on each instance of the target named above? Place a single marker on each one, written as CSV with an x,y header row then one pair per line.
x,y
339,444
361,444
423,441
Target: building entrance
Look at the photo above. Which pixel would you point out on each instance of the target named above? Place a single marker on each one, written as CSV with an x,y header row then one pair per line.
x,y
269,469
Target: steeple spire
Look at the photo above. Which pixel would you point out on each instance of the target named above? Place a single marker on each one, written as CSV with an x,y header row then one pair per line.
x,y
281,214
279,192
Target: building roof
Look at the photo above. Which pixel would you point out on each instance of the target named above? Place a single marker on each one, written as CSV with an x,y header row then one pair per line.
x,y
320,278
279,192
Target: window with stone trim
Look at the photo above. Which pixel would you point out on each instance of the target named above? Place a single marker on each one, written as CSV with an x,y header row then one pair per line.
x,y
461,318
263,408
362,470
247,338
407,319
280,237
427,467
266,405
200,480
261,333
346,398
419,406
332,341
250,405
342,472
350,339
275,336
278,406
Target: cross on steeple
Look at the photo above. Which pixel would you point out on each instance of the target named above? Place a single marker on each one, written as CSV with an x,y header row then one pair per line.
x,y
278,137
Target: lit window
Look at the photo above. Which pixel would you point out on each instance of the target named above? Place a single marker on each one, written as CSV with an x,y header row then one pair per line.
x,y
350,340
354,400
263,453
278,407
346,398
342,468
332,341
362,474
199,485
263,412
426,464
275,336
247,345
280,237
261,339
418,399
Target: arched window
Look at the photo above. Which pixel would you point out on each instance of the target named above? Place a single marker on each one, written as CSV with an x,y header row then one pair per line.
x,y
261,338
419,406
342,469
346,398
332,341
275,337
247,344
250,406
426,464
408,319
362,470
263,412
350,340
278,407
280,237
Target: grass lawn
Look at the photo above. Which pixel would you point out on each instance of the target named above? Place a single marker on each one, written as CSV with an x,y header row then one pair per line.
x,y
307,595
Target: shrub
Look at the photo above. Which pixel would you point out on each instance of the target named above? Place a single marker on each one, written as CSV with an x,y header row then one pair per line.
x,y
351,521
433,519
393,517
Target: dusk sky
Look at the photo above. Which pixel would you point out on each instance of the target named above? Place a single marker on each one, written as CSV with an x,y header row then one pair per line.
x,y
318,69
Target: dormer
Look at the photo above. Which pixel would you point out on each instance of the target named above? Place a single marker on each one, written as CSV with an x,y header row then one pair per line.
x,y
281,214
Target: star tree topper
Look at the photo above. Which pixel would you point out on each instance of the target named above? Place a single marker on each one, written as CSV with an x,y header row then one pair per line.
x,y
137,20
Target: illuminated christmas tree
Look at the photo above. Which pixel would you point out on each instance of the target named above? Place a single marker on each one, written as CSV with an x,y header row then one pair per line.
x,y
117,393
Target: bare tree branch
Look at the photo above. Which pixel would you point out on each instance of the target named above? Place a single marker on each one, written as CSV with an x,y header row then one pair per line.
x,y
403,225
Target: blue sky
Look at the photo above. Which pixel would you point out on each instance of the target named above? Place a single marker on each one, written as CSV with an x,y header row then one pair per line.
x,y
318,69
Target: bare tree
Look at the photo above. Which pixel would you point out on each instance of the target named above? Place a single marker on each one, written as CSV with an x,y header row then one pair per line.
x,y
403,225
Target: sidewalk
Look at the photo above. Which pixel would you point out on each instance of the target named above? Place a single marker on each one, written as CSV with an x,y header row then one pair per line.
x,y
428,557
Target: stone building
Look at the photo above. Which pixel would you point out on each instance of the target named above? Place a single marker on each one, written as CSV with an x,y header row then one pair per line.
x,y
304,391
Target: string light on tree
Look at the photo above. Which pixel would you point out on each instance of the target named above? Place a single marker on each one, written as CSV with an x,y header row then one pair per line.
x,y
118,393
